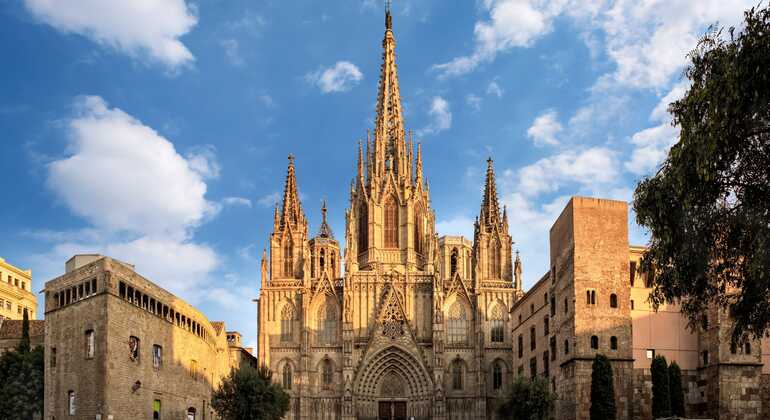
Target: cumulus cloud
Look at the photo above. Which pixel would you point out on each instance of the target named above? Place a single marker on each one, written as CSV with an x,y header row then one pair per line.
x,y
341,77
545,128
591,169
440,116
142,198
148,28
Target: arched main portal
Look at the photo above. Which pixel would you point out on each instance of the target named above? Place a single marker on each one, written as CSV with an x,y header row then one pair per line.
x,y
393,380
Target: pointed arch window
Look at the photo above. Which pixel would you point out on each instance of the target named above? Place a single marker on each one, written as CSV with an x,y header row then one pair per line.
x,y
497,325
457,374
497,376
418,230
327,323
391,223
363,228
327,374
453,262
288,260
457,324
322,259
287,376
332,263
493,262
287,320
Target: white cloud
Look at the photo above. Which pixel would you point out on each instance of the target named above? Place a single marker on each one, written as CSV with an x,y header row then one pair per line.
x,y
456,226
269,200
124,176
440,117
473,101
150,28
142,198
236,201
511,23
341,77
232,49
494,89
545,128
591,169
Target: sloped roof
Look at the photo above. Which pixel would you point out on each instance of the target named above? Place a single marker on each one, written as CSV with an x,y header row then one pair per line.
x,y
11,328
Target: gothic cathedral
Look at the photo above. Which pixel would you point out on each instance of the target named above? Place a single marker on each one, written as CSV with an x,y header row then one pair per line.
x,y
417,326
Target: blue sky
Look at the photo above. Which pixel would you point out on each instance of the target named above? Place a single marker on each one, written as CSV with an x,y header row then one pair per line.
x,y
159,135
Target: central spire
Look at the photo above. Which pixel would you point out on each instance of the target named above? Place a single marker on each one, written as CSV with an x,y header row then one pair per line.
x,y
389,137
490,207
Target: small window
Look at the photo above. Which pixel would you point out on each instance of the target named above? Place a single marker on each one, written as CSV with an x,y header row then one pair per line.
x,y
194,369
553,306
545,299
566,306
566,346
521,346
532,343
531,308
594,342
497,376
532,367
553,348
590,297
650,354
546,327
632,304
53,357
133,348
156,410
191,413
747,348
157,356
90,344
613,300
327,374
705,357
457,375
287,376
71,402
613,343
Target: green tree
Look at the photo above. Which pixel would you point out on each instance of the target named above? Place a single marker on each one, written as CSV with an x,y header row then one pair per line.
x,y
21,379
528,400
248,393
661,396
675,388
602,389
707,207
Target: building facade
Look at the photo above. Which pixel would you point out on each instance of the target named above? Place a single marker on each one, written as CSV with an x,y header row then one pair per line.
x,y
417,326
118,346
16,293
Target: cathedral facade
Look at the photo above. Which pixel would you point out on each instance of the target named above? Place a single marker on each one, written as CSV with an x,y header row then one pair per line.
x,y
416,326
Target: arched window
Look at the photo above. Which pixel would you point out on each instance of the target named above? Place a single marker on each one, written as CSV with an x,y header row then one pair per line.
x,y
391,223
363,228
453,262
332,263
327,323
497,376
418,229
322,259
191,413
496,325
287,320
287,376
594,342
288,260
493,262
457,324
613,300
327,374
613,343
457,374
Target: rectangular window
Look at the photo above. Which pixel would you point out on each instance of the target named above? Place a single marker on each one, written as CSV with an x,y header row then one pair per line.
x,y
546,327
90,344
532,333
194,369
521,346
157,356
156,410
71,403
553,348
53,357
497,330
650,354
133,348
533,367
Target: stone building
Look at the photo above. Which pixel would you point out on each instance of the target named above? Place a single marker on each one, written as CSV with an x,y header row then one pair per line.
x,y
118,346
10,334
417,326
16,293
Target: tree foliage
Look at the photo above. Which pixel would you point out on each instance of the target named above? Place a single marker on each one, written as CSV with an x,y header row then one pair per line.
x,y
708,207
602,390
661,395
21,379
529,399
675,389
248,393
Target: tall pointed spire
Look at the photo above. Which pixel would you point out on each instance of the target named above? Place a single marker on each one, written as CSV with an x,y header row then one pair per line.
x,y
418,169
389,142
490,207
291,215
325,231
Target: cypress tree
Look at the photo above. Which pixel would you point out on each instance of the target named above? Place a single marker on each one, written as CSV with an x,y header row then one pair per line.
x,y
661,397
602,390
24,345
675,387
